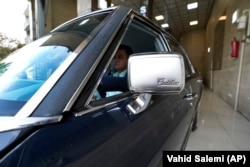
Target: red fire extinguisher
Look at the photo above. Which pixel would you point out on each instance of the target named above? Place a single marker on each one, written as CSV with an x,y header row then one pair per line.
x,y
235,48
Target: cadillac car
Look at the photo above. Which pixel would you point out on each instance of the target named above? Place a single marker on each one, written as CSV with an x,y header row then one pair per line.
x,y
49,112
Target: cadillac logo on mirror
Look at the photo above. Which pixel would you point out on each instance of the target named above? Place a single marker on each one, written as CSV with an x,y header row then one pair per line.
x,y
164,81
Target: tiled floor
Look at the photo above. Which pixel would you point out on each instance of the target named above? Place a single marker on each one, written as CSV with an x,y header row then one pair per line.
x,y
219,127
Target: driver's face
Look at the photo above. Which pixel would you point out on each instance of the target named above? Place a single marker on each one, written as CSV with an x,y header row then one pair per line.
x,y
121,60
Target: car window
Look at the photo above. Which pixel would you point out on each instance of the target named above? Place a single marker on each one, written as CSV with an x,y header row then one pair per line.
x,y
140,38
176,47
24,72
83,26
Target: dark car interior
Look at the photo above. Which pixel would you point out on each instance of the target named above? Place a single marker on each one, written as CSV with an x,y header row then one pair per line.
x,y
140,38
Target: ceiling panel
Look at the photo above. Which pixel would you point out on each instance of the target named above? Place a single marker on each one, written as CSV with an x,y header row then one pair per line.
x,y
175,13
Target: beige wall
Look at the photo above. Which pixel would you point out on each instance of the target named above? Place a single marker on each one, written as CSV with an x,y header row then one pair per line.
x,y
194,43
60,11
224,80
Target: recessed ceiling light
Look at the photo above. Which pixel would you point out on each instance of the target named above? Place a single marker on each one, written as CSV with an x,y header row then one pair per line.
x,y
191,23
223,18
166,25
235,16
192,5
208,49
159,17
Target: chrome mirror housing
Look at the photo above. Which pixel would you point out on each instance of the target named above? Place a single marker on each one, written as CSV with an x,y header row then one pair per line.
x,y
156,73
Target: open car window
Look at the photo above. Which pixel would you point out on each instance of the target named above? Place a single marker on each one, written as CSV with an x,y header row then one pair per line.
x,y
140,38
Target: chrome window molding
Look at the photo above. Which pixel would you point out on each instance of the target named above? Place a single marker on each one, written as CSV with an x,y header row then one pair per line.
x,y
13,123
90,108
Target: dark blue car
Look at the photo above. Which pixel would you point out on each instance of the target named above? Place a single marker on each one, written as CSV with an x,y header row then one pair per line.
x,y
49,115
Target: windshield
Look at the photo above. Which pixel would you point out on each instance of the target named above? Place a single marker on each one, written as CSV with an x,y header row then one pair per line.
x,y
22,73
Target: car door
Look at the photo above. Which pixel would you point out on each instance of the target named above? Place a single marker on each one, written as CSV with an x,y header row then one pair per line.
x,y
189,96
136,136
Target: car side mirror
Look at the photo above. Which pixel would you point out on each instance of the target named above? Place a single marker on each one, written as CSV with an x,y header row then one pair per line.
x,y
156,73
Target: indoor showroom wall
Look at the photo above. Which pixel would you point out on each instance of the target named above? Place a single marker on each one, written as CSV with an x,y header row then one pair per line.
x,y
230,78
194,42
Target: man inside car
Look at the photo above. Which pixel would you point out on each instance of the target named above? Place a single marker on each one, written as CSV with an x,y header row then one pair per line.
x,y
116,81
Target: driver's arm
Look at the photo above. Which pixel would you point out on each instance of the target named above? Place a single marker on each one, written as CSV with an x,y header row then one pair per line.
x,y
110,83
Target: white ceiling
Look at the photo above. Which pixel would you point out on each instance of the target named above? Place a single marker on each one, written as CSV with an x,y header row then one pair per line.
x,y
175,13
